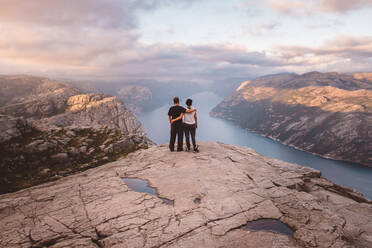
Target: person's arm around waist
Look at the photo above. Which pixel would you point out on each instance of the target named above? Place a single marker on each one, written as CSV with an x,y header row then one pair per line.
x,y
190,110
178,118
196,120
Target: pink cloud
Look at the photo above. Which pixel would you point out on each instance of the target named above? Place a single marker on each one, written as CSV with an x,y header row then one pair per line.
x,y
87,39
343,6
343,53
310,7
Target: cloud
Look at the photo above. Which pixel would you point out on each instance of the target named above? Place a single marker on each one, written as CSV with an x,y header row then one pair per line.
x,y
261,29
342,46
95,39
106,14
195,63
96,13
342,53
325,24
288,7
81,37
343,6
310,7
117,55
250,8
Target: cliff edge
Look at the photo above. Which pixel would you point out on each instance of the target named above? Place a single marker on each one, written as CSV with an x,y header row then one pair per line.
x,y
328,114
49,129
224,196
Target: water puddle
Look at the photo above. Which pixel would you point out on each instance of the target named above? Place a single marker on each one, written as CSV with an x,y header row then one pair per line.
x,y
142,186
269,225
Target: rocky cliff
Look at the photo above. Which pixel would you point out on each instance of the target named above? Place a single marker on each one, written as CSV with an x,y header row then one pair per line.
x,y
51,129
224,196
329,114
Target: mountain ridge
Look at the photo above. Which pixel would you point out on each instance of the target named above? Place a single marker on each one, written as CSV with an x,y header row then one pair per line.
x,y
327,114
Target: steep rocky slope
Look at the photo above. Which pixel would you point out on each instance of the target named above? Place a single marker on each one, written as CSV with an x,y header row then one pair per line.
x,y
217,198
329,114
50,129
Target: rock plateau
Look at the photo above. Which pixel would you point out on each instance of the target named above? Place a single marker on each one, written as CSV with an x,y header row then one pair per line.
x,y
212,197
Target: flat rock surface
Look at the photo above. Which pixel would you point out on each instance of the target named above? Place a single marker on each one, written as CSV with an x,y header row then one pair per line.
x,y
215,193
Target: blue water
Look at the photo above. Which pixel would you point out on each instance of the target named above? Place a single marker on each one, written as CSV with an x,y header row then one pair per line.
x,y
142,186
213,129
269,225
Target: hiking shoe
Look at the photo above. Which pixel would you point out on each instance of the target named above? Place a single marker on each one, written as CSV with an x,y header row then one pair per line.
x,y
187,149
196,148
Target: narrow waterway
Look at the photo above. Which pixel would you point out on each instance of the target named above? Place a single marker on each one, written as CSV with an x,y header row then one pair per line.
x,y
213,129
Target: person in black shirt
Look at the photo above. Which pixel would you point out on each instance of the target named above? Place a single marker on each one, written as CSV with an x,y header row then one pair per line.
x,y
175,112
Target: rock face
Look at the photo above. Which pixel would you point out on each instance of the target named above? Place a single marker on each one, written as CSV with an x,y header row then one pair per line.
x,y
50,129
329,114
214,194
11,127
87,110
33,97
366,76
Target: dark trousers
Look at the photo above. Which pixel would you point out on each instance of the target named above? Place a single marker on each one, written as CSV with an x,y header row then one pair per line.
x,y
190,129
176,130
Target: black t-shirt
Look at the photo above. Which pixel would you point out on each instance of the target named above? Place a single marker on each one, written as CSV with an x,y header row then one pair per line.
x,y
176,111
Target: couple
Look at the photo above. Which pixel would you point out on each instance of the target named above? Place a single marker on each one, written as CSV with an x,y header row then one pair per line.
x,y
189,126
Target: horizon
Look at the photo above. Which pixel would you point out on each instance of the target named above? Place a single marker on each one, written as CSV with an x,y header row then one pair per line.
x,y
199,41
143,81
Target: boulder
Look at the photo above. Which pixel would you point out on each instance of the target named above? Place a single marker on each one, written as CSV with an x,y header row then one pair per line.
x,y
12,127
83,149
60,157
34,145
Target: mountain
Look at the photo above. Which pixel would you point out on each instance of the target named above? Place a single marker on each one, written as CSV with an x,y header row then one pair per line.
x,y
137,97
363,76
224,87
144,95
329,114
51,129
224,196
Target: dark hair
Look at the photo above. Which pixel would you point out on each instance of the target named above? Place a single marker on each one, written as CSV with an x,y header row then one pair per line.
x,y
176,100
189,102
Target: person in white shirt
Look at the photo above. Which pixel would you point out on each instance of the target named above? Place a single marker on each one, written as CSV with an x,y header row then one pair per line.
x,y
190,124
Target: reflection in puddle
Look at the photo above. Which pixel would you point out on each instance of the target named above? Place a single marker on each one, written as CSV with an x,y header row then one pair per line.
x,y
269,225
142,186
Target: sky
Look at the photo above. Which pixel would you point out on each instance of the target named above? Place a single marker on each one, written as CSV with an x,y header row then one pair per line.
x,y
183,40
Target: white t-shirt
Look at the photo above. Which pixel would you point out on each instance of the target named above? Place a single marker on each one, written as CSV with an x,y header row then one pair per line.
x,y
189,118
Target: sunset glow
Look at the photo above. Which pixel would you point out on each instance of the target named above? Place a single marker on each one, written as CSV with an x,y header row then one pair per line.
x,y
199,40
